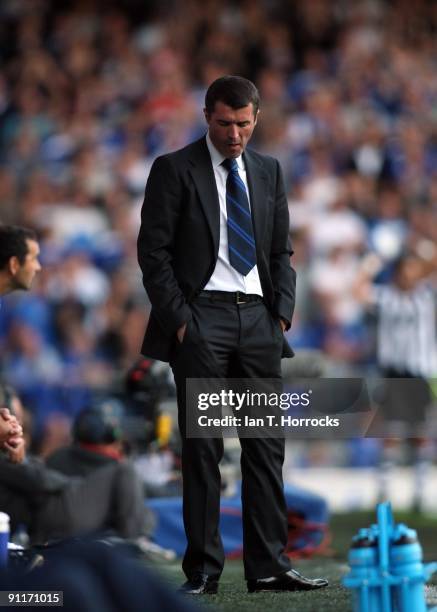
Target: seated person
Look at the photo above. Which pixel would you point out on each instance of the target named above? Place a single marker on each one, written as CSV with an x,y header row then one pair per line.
x,y
97,441
53,505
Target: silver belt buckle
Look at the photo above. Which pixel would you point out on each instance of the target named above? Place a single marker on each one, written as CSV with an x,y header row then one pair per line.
x,y
240,301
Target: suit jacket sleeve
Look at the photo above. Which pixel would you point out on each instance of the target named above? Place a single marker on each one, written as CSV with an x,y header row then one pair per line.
x,y
159,221
282,274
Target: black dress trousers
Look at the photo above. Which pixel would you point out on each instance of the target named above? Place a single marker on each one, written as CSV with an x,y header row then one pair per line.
x,y
237,341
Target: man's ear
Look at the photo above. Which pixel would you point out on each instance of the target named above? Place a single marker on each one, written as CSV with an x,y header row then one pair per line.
x,y
256,117
207,116
13,265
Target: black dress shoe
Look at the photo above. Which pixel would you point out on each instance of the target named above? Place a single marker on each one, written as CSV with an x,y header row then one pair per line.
x,y
290,581
200,584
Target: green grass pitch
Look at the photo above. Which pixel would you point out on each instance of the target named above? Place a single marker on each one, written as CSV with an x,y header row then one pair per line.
x,y
233,596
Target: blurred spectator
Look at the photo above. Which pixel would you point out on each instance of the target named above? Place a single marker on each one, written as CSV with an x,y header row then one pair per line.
x,y
96,575
407,358
87,100
52,505
97,441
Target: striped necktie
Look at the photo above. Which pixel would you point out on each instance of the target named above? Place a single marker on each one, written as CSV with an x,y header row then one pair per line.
x,y
241,241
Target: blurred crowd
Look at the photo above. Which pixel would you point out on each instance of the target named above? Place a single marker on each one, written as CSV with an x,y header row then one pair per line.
x,y
91,92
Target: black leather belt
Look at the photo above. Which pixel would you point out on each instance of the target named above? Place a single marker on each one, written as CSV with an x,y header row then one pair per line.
x,y
234,297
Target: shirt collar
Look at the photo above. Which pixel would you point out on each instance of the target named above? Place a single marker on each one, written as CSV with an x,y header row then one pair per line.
x,y
217,158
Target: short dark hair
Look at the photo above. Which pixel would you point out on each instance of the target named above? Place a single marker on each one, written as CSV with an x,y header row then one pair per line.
x,y
402,260
13,243
234,91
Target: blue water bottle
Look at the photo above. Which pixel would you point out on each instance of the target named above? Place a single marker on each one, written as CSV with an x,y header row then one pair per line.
x,y
363,575
406,564
4,538
387,573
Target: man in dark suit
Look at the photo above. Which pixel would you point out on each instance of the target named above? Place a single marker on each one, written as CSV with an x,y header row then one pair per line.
x,y
215,255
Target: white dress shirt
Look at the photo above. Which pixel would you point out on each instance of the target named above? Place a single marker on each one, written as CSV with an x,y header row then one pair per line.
x,y
225,277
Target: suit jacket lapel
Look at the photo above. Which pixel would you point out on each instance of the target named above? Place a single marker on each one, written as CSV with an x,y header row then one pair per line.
x,y
204,179
257,182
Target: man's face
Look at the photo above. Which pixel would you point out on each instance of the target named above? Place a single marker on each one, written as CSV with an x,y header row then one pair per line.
x,y
409,273
231,129
24,273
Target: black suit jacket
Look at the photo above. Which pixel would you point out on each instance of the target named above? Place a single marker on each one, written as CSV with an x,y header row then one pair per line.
x,y
179,239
